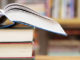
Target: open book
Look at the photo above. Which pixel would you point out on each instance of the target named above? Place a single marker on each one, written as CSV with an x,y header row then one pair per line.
x,y
18,12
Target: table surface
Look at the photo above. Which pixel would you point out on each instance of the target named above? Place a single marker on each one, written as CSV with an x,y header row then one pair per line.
x,y
57,58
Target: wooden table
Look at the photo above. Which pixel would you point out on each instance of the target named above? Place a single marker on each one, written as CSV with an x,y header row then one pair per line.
x,y
57,57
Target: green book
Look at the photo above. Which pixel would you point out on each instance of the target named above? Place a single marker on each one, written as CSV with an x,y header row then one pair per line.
x,y
18,59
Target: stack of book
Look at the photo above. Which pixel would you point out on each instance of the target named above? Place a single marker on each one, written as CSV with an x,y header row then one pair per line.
x,y
16,44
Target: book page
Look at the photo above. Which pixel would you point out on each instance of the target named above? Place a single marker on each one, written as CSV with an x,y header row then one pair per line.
x,y
15,50
16,12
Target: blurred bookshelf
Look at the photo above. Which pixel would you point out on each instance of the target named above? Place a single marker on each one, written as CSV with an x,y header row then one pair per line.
x,y
67,13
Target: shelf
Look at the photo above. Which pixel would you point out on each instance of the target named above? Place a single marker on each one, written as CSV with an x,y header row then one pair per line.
x,y
57,58
69,21
72,23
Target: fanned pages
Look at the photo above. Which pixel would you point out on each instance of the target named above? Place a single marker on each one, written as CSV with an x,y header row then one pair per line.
x,y
23,35
17,12
16,50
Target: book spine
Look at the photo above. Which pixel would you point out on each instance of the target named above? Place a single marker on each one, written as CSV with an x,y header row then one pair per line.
x,y
67,9
48,6
72,8
78,8
56,9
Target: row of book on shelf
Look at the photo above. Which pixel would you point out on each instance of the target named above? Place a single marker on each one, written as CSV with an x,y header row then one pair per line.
x,y
63,8
56,8
64,48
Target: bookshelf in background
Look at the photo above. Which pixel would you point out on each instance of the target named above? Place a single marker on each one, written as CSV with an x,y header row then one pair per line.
x,y
66,13
63,8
